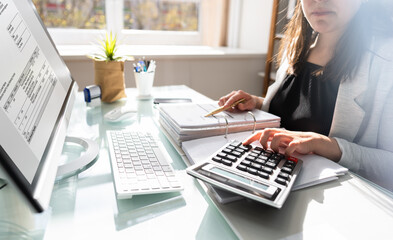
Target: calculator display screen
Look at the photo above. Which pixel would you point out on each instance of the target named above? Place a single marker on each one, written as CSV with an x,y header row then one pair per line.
x,y
238,178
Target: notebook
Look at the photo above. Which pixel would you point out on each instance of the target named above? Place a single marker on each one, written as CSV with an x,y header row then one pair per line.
x,y
187,121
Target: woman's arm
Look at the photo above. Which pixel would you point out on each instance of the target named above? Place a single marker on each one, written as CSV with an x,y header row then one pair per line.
x,y
374,163
371,163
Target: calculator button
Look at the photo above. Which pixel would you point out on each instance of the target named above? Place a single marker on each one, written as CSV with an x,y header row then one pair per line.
x,y
253,154
226,150
246,147
242,167
256,166
250,158
284,175
263,174
236,153
231,158
263,157
221,155
260,161
217,159
242,148
259,149
290,164
231,147
286,170
252,171
241,151
235,144
267,154
267,170
276,157
246,162
256,151
270,164
293,159
226,162
281,181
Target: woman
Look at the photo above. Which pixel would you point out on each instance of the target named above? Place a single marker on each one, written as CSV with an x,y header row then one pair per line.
x,y
334,87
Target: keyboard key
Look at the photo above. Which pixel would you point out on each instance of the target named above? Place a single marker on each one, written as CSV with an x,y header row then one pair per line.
x,y
166,169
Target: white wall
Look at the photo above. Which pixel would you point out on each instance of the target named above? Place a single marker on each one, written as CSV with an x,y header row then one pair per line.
x,y
255,24
209,75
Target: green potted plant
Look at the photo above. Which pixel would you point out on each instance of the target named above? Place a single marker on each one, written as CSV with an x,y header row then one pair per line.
x,y
109,69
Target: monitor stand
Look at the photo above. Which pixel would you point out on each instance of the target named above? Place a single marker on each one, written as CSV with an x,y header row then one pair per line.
x,y
75,166
78,165
2,183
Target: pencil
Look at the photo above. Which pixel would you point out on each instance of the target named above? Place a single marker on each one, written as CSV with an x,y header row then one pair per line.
x,y
220,109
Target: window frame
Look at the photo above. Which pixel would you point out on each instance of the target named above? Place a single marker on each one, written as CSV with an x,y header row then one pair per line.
x,y
114,23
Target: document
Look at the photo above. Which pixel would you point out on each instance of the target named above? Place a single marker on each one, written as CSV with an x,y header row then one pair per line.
x,y
187,121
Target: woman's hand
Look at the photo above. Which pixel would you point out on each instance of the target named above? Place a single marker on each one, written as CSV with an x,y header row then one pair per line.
x,y
250,102
300,142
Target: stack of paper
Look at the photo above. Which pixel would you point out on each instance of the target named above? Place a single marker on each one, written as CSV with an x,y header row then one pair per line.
x,y
315,169
187,121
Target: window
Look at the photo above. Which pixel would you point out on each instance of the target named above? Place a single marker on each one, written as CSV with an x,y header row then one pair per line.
x,y
138,21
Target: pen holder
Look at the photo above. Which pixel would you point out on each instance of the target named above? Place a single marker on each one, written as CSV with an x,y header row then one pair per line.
x,y
144,83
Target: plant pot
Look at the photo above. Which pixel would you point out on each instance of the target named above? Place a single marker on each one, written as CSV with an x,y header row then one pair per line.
x,y
110,77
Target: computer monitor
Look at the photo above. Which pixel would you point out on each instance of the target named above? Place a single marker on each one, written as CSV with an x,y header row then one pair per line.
x,y
36,97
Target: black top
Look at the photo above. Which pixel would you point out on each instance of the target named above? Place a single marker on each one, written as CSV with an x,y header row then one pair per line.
x,y
306,102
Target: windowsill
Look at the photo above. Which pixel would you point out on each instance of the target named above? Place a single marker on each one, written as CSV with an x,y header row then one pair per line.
x,y
79,52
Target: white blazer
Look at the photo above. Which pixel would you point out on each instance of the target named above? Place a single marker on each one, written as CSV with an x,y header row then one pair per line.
x,y
363,116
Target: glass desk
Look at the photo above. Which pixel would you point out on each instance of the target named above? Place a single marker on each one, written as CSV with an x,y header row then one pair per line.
x,y
85,206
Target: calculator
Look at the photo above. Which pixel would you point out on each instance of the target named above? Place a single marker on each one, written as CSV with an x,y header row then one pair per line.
x,y
250,171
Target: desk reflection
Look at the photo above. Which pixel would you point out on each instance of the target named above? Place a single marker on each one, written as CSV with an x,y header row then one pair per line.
x,y
140,208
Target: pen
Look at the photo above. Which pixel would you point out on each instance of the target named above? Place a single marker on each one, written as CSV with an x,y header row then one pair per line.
x,y
220,109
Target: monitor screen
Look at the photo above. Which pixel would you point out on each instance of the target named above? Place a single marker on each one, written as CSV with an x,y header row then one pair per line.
x,y
36,96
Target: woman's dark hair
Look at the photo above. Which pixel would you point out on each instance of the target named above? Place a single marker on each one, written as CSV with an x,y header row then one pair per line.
x,y
372,19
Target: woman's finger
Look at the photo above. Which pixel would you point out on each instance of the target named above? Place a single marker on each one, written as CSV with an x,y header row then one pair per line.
x,y
254,137
224,99
280,140
292,147
267,135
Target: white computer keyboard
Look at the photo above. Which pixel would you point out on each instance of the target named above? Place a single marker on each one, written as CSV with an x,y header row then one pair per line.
x,y
139,164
